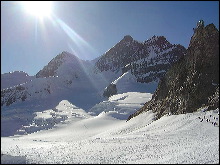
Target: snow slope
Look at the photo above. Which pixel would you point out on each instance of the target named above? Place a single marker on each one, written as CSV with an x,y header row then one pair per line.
x,y
65,77
118,106
175,139
42,94
128,82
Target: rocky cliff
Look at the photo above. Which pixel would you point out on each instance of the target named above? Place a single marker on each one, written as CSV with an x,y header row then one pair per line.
x,y
193,81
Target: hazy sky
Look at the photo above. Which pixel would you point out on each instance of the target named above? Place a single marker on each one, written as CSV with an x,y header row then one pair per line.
x,y
88,29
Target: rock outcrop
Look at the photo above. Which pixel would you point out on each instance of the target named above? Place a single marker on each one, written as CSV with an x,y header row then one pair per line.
x,y
110,90
193,81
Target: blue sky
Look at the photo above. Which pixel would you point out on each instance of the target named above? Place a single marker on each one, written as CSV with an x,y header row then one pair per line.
x,y
88,29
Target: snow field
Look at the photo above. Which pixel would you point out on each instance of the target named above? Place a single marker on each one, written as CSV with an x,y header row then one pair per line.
x,y
62,113
171,139
120,106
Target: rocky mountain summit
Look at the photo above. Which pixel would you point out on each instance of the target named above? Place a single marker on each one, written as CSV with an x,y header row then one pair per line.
x,y
193,81
148,60
53,65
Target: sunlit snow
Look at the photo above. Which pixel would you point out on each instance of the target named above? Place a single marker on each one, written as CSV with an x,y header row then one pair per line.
x,y
83,138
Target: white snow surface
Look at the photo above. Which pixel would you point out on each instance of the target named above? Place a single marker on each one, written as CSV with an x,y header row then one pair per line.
x,y
183,138
127,81
118,106
62,113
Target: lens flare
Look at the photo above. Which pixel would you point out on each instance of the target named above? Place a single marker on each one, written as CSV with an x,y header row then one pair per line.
x,y
39,9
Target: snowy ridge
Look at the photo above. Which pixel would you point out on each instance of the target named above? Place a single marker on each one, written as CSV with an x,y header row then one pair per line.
x,y
14,78
34,89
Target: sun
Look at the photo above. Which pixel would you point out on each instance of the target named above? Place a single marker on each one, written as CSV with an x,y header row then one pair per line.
x,y
39,9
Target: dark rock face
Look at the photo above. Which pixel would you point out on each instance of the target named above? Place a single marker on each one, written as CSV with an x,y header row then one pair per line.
x,y
51,68
11,95
148,60
110,90
120,55
213,100
193,81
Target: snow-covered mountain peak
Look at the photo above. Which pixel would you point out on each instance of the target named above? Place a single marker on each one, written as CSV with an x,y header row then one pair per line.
x,y
53,67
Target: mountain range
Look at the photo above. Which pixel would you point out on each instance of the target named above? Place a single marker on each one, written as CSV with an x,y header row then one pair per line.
x,y
175,76
146,62
139,102
129,66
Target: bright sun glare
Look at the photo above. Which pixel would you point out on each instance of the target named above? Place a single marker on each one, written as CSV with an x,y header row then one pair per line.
x,y
39,9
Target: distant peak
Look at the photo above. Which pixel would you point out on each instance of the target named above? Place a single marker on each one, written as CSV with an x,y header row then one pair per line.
x,y
65,53
17,72
128,38
158,40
